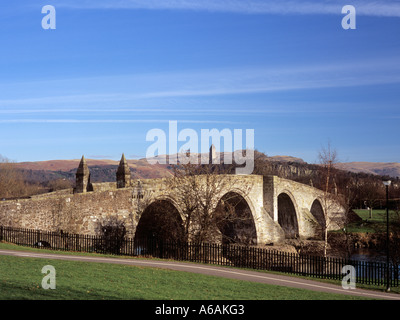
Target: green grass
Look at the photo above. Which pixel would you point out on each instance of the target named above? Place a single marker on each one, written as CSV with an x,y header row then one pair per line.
x,y
378,215
375,224
20,278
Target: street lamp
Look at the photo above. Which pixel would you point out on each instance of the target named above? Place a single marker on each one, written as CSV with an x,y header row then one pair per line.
x,y
387,184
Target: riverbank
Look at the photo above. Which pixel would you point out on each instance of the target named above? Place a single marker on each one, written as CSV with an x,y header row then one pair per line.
x,y
366,233
340,245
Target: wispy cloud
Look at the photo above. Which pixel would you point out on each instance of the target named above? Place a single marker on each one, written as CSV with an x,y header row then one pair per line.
x,y
111,121
151,92
369,8
270,109
145,98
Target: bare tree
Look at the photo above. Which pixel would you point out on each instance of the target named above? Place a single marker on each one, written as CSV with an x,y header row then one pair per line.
x,y
348,191
235,221
394,236
112,231
59,184
11,180
327,171
207,204
372,193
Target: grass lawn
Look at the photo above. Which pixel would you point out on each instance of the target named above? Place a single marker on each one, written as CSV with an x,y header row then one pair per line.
x,y
21,278
369,225
378,215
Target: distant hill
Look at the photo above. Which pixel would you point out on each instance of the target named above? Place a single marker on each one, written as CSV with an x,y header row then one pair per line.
x,y
286,159
105,170
61,165
391,169
100,170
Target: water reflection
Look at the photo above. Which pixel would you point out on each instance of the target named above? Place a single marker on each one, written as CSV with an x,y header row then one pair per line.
x,y
368,254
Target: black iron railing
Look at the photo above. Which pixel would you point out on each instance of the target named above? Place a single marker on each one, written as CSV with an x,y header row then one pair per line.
x,y
366,272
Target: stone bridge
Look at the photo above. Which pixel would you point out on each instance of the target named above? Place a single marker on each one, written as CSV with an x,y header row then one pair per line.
x,y
279,208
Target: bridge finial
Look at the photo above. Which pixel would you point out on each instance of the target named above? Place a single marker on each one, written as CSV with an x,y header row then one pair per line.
x,y
123,173
82,177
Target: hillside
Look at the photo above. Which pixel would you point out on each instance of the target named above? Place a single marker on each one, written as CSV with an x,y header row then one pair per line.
x,y
105,170
391,169
100,170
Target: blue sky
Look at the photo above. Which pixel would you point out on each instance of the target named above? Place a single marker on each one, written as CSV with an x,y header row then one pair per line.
x,y
113,70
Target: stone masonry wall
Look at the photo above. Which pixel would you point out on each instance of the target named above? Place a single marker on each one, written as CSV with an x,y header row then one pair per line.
x,y
83,213
75,213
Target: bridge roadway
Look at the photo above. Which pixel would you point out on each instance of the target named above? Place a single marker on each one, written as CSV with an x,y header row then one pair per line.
x,y
239,274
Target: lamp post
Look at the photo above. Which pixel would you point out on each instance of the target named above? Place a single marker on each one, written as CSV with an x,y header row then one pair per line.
x,y
387,184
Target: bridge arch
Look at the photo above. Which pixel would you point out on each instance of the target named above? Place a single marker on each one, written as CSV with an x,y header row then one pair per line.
x,y
171,200
161,219
287,215
238,222
318,212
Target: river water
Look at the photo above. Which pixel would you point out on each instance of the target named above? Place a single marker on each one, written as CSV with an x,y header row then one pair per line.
x,y
368,254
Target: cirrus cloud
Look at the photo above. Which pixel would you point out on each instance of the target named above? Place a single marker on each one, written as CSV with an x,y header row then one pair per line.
x,y
368,8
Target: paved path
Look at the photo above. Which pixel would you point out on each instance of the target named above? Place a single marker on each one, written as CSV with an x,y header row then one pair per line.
x,y
231,273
